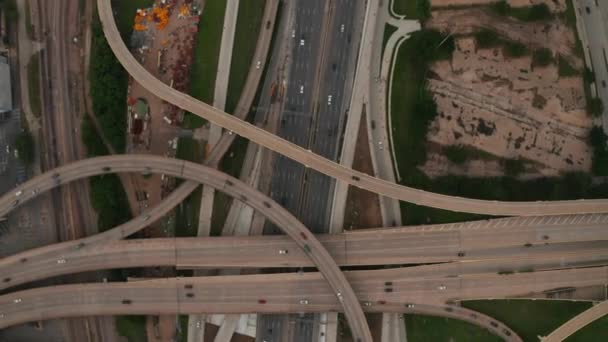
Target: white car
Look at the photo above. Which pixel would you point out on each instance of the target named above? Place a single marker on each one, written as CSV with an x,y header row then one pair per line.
x,y
367,303
301,89
329,97
293,33
301,42
441,287
198,324
258,64
342,28
409,306
18,193
303,301
283,251
17,300
61,261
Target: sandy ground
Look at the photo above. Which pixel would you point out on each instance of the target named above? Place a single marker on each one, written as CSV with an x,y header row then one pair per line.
x,y
554,5
504,106
362,207
553,35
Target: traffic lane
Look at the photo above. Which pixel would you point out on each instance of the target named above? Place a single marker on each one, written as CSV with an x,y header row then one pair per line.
x,y
381,246
196,254
278,292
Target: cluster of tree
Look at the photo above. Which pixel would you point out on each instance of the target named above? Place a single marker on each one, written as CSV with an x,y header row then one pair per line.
x,y
9,8
423,9
108,196
542,57
422,48
598,141
530,13
486,38
108,82
25,146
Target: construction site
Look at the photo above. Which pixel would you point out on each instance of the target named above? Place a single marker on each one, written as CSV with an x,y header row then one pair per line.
x,y
506,106
162,41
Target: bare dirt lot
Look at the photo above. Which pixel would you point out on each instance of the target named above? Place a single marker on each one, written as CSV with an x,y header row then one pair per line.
x,y
362,207
505,106
554,5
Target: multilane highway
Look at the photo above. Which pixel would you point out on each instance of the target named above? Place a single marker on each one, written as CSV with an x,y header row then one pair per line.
x,y
220,181
378,291
482,249
319,163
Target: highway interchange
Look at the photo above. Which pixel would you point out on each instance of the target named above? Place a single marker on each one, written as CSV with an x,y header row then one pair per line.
x,y
330,298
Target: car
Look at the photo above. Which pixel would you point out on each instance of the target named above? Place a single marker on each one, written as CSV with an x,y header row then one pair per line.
x,y
301,42
146,217
35,191
342,28
304,301
17,300
18,193
127,301
198,324
293,33
388,289
261,301
339,295
230,132
441,287
258,64
61,261
461,254
283,251
367,303
410,305
1,315
329,97
301,89
587,9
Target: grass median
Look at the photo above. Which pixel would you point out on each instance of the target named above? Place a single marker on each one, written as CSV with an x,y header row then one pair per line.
x,y
33,84
421,328
206,56
533,318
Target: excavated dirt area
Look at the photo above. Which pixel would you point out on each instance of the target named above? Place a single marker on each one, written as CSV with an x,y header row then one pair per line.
x,y
362,207
504,106
554,5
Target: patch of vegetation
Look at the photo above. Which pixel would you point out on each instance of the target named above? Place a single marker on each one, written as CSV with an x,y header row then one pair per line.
x,y
248,24
486,38
513,167
423,9
108,84
539,101
595,106
529,318
591,332
388,32
33,84
206,55
412,105
565,69
542,57
9,9
536,12
186,215
515,49
125,15
108,196
456,154
25,146
599,143
182,335
405,7
421,328
132,327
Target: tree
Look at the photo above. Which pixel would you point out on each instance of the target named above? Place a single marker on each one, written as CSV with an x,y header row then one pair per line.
x,y
486,38
423,9
24,144
542,57
588,76
595,106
